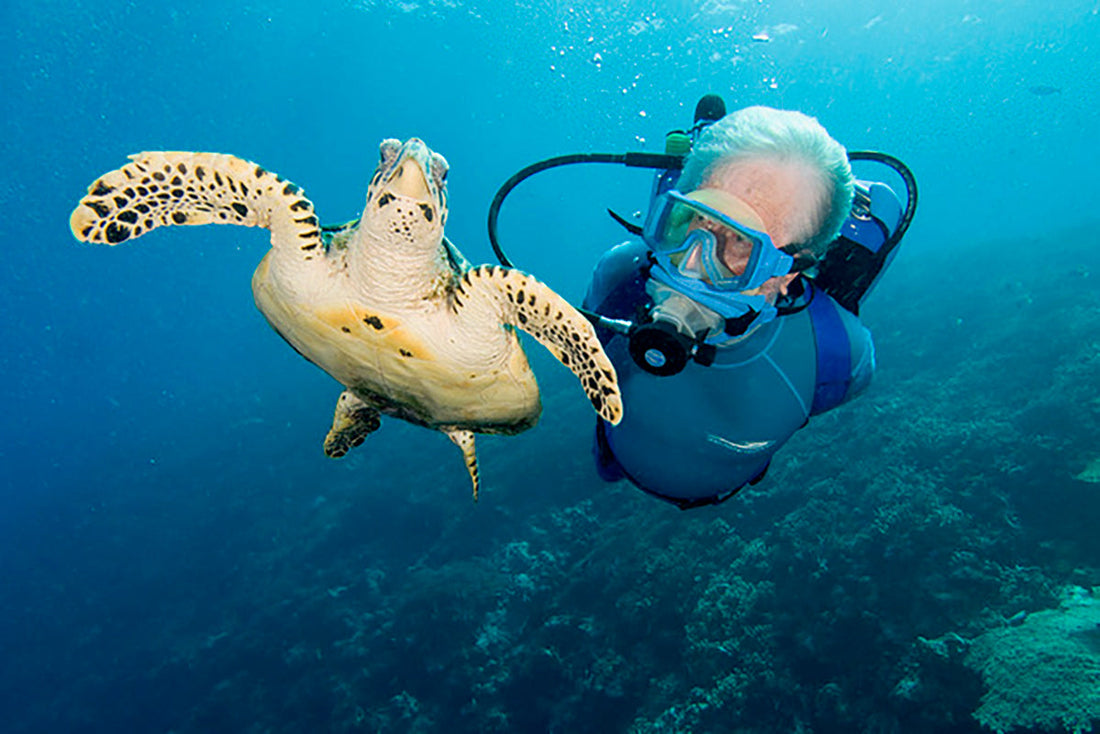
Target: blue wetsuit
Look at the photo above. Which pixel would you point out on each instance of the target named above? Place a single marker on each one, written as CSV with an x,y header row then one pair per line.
x,y
697,437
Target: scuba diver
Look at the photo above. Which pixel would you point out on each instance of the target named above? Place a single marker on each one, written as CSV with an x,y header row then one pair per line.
x,y
732,317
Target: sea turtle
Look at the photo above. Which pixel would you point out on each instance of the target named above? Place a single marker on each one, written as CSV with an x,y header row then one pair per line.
x,y
385,304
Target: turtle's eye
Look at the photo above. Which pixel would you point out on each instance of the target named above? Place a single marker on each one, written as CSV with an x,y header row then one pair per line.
x,y
439,169
388,150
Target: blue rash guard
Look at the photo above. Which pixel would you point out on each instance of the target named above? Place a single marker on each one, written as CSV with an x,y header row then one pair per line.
x,y
698,436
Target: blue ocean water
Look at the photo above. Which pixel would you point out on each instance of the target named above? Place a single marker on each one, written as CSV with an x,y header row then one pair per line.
x,y
178,555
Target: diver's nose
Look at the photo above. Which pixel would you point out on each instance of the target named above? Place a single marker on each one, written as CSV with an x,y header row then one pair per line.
x,y
692,264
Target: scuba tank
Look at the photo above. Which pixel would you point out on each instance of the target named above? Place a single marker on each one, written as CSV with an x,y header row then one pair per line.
x,y
852,267
869,237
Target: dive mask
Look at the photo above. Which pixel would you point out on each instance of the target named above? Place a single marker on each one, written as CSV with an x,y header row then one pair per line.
x,y
700,236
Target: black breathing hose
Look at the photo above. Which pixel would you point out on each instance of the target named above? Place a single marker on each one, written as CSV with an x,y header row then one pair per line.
x,y
633,160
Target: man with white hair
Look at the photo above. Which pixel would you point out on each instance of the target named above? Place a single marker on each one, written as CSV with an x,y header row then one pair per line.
x,y
734,351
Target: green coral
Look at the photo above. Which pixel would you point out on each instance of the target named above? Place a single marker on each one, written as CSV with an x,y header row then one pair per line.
x,y
1044,673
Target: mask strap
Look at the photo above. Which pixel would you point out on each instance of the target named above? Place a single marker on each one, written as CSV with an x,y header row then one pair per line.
x,y
803,261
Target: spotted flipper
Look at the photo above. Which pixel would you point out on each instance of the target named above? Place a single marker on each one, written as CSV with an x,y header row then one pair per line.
x,y
527,304
351,423
162,189
465,441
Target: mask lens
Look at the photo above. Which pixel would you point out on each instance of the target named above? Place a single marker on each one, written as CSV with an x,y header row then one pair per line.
x,y
699,239
734,249
676,225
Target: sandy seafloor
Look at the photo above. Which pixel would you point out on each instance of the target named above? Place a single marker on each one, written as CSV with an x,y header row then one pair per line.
x,y
177,555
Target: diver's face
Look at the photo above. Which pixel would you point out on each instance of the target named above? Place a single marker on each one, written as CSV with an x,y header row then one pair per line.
x,y
787,197
732,247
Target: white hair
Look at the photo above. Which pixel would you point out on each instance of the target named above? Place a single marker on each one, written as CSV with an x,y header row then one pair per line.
x,y
783,134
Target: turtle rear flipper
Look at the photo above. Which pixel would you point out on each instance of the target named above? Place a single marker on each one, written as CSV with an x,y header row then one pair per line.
x,y
352,422
531,306
162,189
464,440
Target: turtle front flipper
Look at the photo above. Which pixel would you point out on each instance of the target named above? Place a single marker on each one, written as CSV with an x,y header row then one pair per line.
x,y
530,305
465,441
351,423
162,189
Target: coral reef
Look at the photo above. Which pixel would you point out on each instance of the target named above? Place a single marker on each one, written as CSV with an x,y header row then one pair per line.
x,y
1090,473
1043,672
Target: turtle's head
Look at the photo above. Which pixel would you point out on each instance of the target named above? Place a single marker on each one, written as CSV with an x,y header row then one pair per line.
x,y
407,198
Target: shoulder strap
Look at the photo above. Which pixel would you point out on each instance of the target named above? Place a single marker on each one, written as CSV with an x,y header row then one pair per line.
x,y
834,354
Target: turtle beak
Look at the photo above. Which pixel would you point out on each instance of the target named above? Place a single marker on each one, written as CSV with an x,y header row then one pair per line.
x,y
409,175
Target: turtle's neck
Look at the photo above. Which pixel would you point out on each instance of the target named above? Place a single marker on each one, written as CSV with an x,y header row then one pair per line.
x,y
393,272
